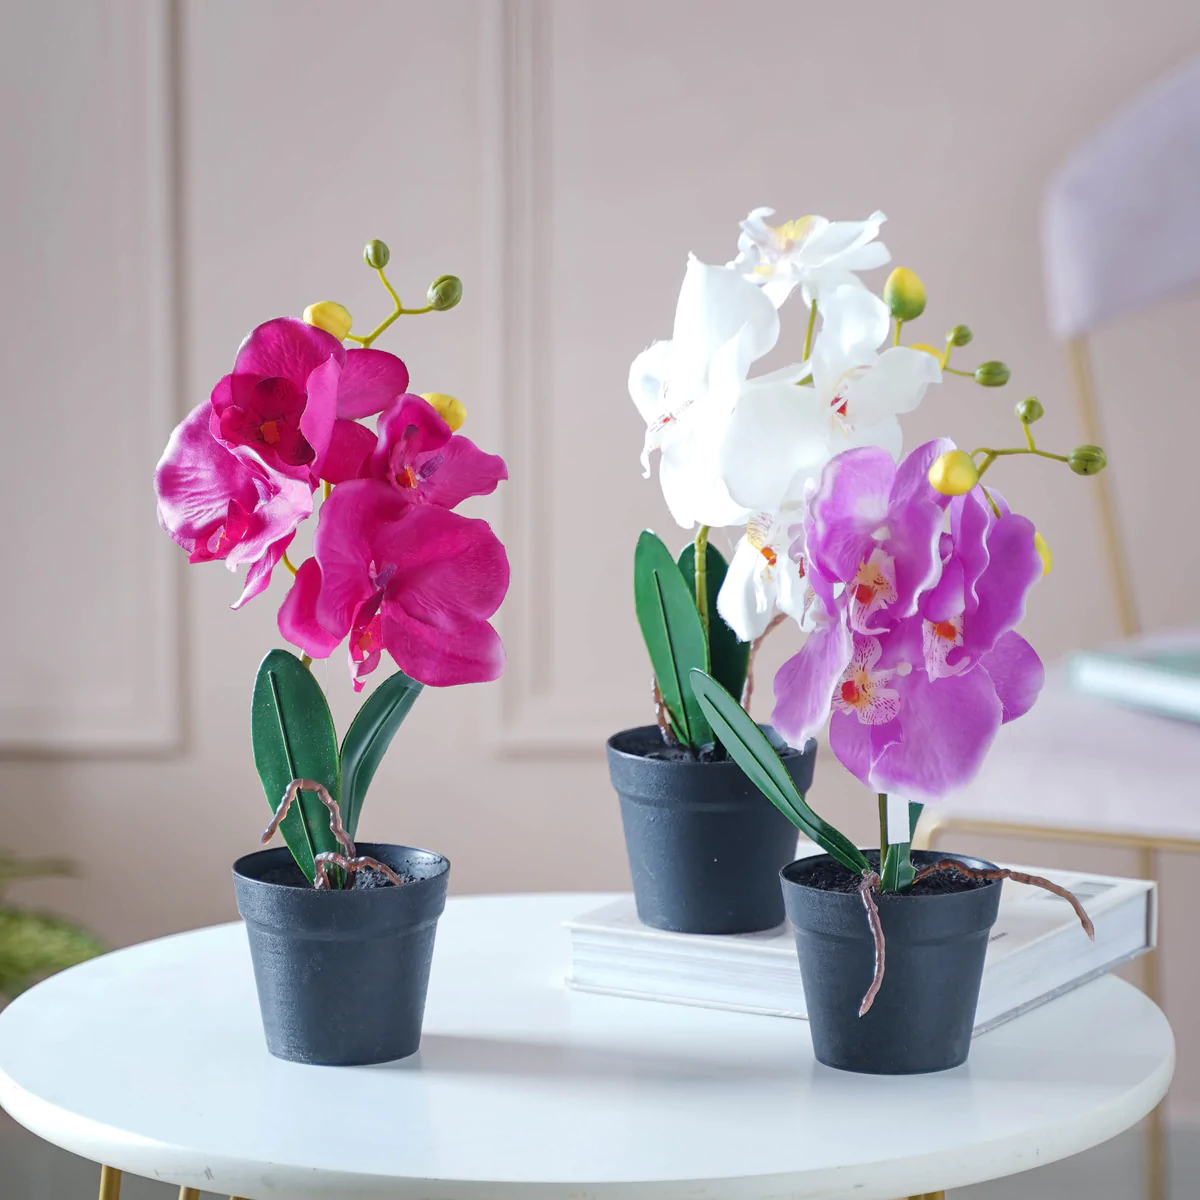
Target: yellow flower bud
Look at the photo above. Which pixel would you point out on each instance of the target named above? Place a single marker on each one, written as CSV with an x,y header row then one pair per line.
x,y
449,408
954,473
904,294
1043,553
329,316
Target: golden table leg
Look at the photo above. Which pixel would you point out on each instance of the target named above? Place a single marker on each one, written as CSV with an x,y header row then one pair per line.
x,y
187,1193
110,1184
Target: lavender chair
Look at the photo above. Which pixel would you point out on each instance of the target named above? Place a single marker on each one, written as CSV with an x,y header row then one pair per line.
x,y
1121,232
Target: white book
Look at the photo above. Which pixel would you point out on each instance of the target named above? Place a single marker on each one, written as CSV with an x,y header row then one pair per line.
x,y
1037,950
1159,673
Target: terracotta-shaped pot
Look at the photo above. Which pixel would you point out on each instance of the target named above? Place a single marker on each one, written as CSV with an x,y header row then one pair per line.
x,y
342,975
705,845
922,1018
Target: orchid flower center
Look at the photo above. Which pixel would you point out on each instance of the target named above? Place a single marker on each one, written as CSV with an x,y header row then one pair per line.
x,y
270,432
872,588
862,691
380,576
758,534
938,640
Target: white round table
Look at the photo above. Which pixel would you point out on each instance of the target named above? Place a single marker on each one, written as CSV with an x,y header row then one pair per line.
x,y
152,1060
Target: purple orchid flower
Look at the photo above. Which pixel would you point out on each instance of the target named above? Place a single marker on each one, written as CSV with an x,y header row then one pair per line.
x,y
917,660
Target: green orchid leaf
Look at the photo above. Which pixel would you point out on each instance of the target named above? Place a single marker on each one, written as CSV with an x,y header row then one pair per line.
x,y
728,658
367,740
897,874
294,738
914,815
749,747
34,945
674,637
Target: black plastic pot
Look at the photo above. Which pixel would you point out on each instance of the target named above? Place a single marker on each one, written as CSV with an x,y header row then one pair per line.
x,y
705,845
923,1015
341,975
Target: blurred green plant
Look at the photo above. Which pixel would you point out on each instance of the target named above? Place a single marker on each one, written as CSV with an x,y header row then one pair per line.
x,y
36,944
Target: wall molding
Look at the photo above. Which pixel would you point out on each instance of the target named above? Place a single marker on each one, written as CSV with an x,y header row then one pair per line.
x,y
535,714
137,709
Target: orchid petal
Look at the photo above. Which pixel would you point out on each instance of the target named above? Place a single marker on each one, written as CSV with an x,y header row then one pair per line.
x,y
804,685
1017,673
350,447
286,348
371,380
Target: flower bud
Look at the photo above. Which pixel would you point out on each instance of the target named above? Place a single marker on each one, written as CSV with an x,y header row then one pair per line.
x,y
904,294
1087,460
444,292
449,408
1029,410
329,316
1044,554
376,254
992,374
953,473
960,335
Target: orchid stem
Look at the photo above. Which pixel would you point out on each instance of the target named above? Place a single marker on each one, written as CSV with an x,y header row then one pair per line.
x,y
306,661
883,828
399,310
896,336
991,455
988,495
287,562
702,577
808,336
955,371
326,488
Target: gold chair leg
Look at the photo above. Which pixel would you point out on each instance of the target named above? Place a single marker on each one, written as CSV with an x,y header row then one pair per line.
x,y
110,1184
187,1193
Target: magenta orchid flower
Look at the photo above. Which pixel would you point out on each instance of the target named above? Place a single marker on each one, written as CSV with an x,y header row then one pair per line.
x,y
917,659
417,454
415,580
293,394
219,506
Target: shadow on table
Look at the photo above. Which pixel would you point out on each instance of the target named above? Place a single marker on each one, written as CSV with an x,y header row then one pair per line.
x,y
454,1053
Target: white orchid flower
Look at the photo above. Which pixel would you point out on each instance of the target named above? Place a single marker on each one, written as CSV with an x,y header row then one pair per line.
x,y
859,391
687,388
817,255
762,578
780,437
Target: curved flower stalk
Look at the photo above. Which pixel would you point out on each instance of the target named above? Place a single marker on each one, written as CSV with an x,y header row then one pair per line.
x,y
393,571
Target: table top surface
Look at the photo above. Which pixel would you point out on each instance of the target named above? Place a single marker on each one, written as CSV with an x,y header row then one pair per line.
x,y
1084,763
152,1060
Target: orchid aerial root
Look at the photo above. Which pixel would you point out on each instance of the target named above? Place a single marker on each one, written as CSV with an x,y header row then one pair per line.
x,y
349,865
866,890
351,860
871,884
990,873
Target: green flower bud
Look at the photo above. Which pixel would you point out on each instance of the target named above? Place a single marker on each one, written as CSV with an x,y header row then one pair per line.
x,y
992,374
376,254
961,335
1087,460
904,294
1029,410
444,292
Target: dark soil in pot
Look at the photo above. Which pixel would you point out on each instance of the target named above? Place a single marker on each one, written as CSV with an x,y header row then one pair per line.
x,y
342,975
936,937
705,845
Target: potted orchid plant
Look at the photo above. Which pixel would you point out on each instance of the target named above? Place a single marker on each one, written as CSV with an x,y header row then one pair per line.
x,y
341,934
907,574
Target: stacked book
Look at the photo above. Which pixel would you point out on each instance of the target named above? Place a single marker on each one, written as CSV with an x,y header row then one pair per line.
x,y
1036,951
